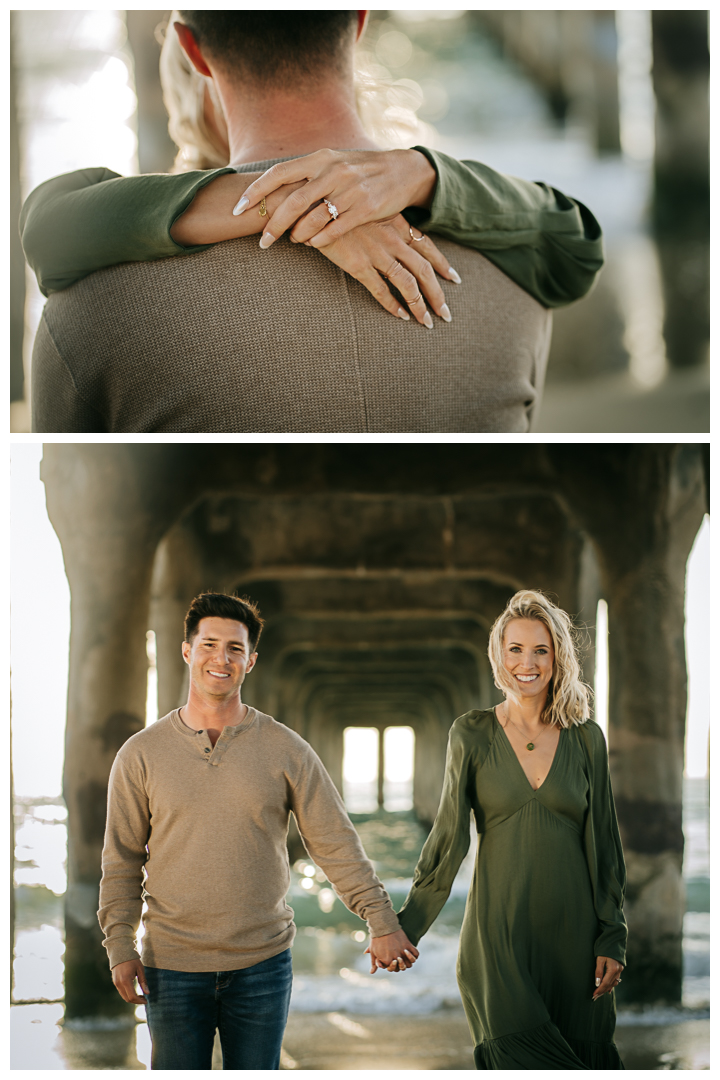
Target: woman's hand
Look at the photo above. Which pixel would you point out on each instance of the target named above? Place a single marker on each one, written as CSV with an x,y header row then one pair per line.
x,y
395,952
364,185
607,975
379,254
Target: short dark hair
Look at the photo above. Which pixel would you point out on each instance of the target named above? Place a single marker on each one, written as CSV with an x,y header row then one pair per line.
x,y
217,605
274,48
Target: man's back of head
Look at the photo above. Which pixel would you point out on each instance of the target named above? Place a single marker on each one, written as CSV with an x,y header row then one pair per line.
x,y
285,49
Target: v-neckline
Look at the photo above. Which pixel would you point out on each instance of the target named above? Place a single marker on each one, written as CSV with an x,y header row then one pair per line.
x,y
517,759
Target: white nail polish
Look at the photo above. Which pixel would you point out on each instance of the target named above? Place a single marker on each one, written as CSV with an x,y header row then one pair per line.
x,y
238,209
266,240
428,320
402,314
454,276
445,312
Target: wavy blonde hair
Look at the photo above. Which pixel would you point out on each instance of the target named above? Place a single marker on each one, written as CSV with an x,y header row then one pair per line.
x,y
386,108
568,700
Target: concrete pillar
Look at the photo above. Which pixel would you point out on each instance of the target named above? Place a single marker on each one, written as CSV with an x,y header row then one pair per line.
x,y
681,206
109,507
177,578
156,150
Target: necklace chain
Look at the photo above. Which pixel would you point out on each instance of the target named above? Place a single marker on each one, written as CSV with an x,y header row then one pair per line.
x,y
530,745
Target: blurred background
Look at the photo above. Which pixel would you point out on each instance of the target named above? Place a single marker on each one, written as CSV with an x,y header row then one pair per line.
x,y
609,106
378,571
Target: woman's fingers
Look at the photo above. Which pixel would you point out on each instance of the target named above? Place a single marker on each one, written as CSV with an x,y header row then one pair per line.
x,y
607,974
295,206
285,172
376,287
425,276
312,224
434,256
407,285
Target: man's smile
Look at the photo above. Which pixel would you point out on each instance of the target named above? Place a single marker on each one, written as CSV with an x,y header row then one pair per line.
x,y
218,674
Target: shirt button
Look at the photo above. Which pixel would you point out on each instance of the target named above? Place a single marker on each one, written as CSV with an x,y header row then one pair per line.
x,y
207,749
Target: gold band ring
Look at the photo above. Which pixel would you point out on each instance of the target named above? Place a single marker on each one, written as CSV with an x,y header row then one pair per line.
x,y
263,208
417,300
414,237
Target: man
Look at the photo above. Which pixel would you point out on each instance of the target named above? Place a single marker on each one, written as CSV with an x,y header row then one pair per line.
x,y
199,803
237,339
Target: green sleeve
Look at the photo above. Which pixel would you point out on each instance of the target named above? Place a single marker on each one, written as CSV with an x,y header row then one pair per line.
x,y
545,242
445,847
83,221
603,848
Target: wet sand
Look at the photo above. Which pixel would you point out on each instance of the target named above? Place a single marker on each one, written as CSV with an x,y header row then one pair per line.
x,y
339,1041
442,1041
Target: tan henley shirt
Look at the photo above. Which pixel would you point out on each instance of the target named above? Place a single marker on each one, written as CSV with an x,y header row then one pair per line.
x,y
208,826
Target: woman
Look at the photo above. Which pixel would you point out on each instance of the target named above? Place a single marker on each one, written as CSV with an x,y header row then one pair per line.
x,y
78,223
542,945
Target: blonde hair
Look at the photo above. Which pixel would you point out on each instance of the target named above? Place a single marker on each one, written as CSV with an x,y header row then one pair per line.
x,y
568,700
386,108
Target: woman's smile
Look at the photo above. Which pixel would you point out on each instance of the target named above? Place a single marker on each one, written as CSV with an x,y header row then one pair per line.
x,y
528,656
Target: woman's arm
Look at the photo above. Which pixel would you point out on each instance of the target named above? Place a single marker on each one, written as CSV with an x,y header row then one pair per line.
x,y
603,848
83,221
445,847
549,244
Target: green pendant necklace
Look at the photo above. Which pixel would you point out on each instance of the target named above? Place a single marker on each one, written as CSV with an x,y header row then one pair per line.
x,y
530,745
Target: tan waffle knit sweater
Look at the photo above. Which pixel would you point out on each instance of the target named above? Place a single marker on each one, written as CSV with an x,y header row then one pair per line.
x,y
235,339
209,827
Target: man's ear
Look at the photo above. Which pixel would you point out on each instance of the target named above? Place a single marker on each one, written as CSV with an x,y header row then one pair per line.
x,y
252,661
186,649
191,47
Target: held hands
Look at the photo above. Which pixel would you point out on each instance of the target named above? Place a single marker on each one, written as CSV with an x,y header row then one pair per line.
x,y
124,976
394,952
364,185
607,975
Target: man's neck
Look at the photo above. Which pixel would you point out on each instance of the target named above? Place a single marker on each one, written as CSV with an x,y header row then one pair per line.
x,y
202,714
278,124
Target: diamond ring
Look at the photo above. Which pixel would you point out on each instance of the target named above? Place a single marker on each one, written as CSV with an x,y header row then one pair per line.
x,y
333,209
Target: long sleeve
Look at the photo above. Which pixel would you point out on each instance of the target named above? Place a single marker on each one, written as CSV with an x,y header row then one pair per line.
x,y
333,843
83,221
603,849
124,853
547,243
445,847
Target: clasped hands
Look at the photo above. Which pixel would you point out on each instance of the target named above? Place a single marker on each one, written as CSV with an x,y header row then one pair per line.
x,y
393,952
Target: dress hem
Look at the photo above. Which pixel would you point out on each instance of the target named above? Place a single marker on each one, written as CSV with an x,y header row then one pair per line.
x,y
544,1047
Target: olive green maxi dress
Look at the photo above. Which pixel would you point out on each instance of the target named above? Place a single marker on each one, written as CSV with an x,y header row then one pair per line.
x,y
545,900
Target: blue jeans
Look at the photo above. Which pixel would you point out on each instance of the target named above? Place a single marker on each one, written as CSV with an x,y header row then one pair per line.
x,y
249,1007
